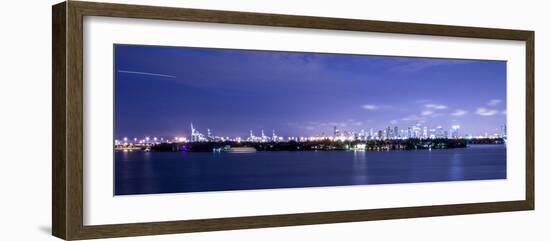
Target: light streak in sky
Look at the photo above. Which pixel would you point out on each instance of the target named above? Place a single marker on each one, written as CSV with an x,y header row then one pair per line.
x,y
146,73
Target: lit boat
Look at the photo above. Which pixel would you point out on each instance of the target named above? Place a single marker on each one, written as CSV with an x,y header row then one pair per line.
x,y
241,150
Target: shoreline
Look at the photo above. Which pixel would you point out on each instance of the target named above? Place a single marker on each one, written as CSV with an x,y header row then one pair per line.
x,y
370,145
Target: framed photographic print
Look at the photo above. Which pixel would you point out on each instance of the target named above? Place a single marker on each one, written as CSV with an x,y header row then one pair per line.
x,y
171,120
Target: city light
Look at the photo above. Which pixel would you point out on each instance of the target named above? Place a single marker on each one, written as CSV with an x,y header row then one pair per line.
x,y
416,131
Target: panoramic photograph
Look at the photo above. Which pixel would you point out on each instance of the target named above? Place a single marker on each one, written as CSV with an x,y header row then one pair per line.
x,y
189,119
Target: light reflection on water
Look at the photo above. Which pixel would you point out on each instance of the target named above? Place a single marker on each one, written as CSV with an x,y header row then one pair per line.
x,y
456,171
360,166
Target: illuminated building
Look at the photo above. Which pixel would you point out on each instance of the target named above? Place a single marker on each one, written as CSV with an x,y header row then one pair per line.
x,y
195,135
274,136
439,133
454,131
416,131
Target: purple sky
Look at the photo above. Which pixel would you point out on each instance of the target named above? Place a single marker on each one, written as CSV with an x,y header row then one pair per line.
x,y
159,91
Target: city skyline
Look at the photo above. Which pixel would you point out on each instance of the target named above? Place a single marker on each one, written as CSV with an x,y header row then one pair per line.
x,y
160,90
389,133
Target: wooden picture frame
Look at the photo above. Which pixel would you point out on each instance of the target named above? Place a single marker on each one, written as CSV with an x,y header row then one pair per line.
x,y
67,152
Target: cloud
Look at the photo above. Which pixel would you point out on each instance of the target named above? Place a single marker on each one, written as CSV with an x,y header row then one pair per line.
x,y
412,118
435,106
427,113
327,126
490,111
422,101
494,102
486,112
370,107
419,64
376,107
459,112
226,66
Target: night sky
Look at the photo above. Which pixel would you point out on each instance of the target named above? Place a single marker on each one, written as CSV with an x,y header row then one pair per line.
x,y
159,91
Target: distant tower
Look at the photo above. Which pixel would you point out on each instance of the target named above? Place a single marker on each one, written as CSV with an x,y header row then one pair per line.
x,y
503,131
425,133
336,132
209,133
192,132
195,135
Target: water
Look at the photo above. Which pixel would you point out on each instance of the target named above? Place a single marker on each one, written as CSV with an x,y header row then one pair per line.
x,y
169,172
